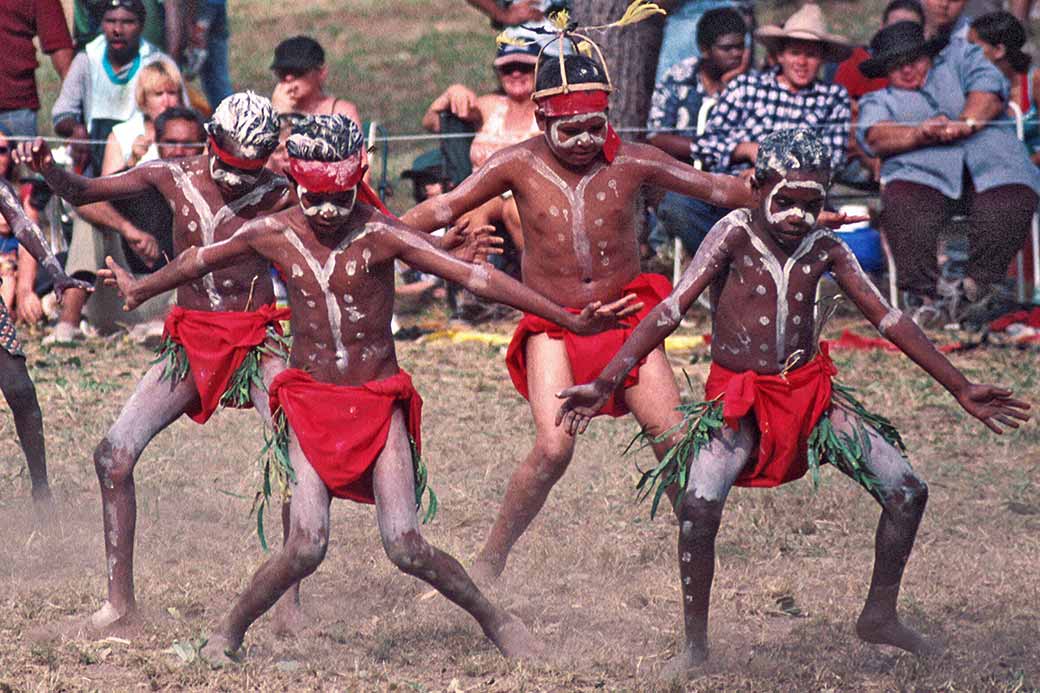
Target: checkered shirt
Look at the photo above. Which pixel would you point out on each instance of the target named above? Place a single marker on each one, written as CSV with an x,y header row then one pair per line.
x,y
755,104
677,100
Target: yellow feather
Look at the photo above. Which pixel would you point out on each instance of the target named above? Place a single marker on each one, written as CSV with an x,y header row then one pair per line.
x,y
638,11
504,40
585,48
560,19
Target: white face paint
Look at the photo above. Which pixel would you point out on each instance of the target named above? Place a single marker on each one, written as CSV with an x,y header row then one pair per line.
x,y
794,213
326,210
232,179
560,141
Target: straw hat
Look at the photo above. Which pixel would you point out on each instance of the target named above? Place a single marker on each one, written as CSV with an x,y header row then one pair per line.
x,y
807,24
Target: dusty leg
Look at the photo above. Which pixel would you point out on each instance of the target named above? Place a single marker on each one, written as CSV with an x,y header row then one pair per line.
x,y
548,372
153,406
712,474
653,403
301,555
20,394
394,483
903,496
288,616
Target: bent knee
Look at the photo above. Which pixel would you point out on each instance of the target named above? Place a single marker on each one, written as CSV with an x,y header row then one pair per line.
x,y
114,465
553,454
20,393
305,551
699,518
910,496
408,551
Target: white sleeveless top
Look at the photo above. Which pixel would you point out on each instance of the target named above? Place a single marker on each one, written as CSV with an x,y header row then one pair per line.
x,y
108,99
128,131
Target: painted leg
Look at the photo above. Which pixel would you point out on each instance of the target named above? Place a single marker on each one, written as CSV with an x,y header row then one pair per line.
x,y
394,482
301,555
903,496
288,617
548,372
712,474
154,405
653,403
20,394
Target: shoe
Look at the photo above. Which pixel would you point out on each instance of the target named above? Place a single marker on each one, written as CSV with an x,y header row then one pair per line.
x,y
64,334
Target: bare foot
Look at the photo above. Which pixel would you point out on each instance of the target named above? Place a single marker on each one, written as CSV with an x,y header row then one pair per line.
x,y
105,621
890,631
289,618
513,639
486,570
106,617
217,652
685,664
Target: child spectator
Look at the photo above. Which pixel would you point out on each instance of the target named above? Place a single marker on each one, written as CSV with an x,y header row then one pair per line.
x,y
299,65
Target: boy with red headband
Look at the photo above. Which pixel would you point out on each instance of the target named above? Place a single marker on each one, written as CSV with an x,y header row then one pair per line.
x,y
576,189
347,415
222,344
772,411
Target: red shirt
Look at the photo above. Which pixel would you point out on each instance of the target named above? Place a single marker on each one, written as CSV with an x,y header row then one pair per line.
x,y
849,76
20,21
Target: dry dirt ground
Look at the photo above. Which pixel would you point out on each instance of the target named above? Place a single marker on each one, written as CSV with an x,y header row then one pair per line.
x,y
594,578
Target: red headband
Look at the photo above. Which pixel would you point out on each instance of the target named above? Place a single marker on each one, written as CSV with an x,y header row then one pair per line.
x,y
574,103
236,161
328,176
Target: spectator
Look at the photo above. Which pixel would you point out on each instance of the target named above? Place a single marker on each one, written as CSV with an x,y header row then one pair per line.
x,y
429,179
683,21
163,23
207,51
131,142
20,20
945,18
8,242
788,95
179,133
100,87
1001,38
676,104
299,65
506,13
934,165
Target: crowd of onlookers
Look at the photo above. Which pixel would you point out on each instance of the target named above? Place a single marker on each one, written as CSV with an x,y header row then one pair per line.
x,y
922,118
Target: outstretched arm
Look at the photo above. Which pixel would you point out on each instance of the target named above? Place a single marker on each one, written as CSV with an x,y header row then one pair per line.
x,y
29,235
665,172
484,280
79,190
487,181
990,404
194,263
584,400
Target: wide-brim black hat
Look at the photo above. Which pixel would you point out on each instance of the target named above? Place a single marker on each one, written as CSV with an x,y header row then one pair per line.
x,y
898,44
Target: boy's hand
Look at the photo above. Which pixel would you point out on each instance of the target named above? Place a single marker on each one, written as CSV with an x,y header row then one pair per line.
x,y
992,405
63,282
471,243
36,155
835,220
581,403
144,245
596,317
118,277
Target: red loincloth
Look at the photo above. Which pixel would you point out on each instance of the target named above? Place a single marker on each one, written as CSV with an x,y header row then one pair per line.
x,y
589,355
342,429
787,409
216,344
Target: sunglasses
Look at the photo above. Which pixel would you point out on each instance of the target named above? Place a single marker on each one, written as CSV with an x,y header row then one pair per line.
x,y
511,68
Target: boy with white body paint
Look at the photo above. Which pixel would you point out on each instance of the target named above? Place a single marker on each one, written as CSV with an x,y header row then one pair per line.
x,y
220,325
577,189
352,416
771,409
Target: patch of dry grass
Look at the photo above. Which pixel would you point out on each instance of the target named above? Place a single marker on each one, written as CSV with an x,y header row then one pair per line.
x,y
594,576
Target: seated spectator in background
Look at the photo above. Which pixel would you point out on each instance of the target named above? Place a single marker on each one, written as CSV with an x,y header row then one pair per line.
x,y
159,86
504,13
786,96
8,242
163,24
429,179
945,19
100,88
299,65
1001,38
676,104
860,170
941,154
683,21
20,21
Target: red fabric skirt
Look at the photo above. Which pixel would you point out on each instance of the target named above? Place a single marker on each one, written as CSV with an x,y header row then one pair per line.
x,y
589,355
787,409
342,429
216,344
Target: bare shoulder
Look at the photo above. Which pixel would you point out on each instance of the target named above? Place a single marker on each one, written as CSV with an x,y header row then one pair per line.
x,y
348,109
732,230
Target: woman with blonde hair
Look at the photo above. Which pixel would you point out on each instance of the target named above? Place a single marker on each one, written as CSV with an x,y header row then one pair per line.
x,y
159,86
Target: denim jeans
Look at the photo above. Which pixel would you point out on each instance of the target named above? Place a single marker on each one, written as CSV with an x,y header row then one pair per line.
x,y
685,218
216,82
20,122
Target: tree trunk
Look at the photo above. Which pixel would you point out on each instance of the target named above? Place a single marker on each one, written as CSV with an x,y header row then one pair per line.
x,y
631,54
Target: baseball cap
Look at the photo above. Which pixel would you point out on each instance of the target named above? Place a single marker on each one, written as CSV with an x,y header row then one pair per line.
x,y
298,54
521,44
